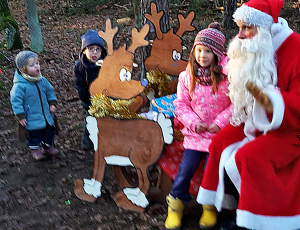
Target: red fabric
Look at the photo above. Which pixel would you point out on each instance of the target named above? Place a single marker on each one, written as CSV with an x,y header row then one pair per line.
x,y
270,7
268,166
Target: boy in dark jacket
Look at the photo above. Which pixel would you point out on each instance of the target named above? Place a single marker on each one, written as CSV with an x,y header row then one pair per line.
x,y
86,71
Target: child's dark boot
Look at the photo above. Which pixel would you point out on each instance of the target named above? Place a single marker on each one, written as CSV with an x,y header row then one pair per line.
x,y
51,151
38,154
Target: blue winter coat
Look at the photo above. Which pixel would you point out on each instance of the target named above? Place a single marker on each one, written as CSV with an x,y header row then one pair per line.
x,y
32,100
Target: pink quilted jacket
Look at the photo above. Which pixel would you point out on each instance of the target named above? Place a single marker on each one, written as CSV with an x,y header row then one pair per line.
x,y
201,105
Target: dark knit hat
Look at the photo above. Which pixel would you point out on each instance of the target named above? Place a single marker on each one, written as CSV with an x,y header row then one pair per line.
x,y
213,39
91,37
23,57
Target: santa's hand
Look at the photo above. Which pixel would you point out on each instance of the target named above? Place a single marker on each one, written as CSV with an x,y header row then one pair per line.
x,y
261,97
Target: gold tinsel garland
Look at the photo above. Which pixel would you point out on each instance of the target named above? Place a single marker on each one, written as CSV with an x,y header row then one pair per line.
x,y
178,136
103,105
158,82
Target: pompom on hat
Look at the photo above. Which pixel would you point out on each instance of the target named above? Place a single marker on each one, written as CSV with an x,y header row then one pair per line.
x,y
23,57
213,39
262,13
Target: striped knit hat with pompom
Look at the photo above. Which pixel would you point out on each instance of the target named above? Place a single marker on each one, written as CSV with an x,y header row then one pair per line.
x,y
213,39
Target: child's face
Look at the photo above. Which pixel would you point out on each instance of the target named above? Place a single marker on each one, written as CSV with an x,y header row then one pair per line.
x,y
203,55
33,67
93,53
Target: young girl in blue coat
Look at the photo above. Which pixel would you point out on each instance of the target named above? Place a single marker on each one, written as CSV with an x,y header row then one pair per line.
x,y
34,102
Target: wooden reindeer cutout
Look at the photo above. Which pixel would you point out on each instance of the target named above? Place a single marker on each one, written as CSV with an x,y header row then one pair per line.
x,y
166,51
130,142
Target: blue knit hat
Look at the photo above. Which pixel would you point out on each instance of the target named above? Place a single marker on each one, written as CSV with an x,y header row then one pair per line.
x,y
91,38
23,57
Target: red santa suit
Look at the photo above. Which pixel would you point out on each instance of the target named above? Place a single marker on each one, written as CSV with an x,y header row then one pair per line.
x,y
264,167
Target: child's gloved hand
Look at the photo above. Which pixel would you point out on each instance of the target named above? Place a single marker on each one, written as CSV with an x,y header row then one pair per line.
x,y
201,127
52,108
23,122
213,128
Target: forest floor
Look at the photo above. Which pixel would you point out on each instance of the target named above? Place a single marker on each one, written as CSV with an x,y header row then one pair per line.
x,y
39,195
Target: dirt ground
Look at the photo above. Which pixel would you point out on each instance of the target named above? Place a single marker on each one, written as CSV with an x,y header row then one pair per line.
x,y
39,195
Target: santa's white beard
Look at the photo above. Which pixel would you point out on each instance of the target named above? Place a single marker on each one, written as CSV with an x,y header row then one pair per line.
x,y
249,60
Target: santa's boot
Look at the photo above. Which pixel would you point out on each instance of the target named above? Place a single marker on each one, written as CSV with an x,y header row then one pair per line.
x,y
175,212
209,217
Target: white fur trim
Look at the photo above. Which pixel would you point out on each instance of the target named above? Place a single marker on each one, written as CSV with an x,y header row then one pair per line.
x,y
218,198
276,27
254,221
118,160
92,187
136,196
206,196
253,16
260,118
227,152
166,127
278,37
249,129
231,167
92,127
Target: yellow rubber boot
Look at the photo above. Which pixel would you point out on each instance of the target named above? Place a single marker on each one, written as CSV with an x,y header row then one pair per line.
x,y
175,212
209,217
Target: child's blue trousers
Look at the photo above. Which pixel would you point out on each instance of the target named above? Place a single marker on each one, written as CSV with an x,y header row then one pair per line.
x,y
41,137
187,167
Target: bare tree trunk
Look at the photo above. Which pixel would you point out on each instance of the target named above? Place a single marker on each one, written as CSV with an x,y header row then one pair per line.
x,y
162,5
229,8
36,38
12,33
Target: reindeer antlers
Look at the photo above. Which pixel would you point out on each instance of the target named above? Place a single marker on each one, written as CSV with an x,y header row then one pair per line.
x,y
185,23
108,35
155,17
138,38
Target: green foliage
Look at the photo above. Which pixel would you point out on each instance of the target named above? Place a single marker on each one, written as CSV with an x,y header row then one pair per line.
x,y
2,86
78,127
12,35
5,20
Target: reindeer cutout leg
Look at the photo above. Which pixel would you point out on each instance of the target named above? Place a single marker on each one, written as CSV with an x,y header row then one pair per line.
x,y
134,198
90,189
137,196
124,179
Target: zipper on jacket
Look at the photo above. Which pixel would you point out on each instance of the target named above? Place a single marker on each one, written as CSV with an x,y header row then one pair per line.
x,y
39,92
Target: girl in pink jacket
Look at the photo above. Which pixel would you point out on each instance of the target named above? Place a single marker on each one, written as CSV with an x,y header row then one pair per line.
x,y
203,107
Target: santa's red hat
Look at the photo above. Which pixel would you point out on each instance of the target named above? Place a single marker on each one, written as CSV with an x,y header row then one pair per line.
x,y
262,13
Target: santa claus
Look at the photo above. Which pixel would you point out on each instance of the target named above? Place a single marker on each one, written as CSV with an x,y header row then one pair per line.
x,y
260,149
